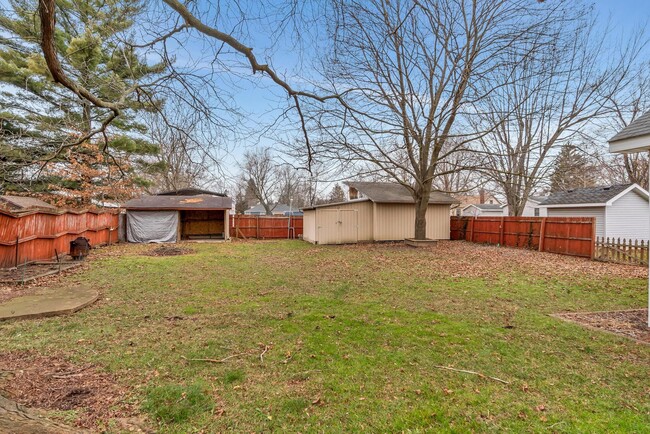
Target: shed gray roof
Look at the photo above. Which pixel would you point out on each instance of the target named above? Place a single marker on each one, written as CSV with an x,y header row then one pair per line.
x,y
640,127
391,192
23,202
595,195
196,202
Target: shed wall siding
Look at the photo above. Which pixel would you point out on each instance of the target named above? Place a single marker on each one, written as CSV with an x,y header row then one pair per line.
x,y
323,231
628,218
396,222
598,212
309,226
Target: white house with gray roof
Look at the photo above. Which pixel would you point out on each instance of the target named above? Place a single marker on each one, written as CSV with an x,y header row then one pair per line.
x,y
621,211
483,210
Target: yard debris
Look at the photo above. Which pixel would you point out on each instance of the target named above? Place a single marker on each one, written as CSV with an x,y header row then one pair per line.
x,y
225,359
169,250
266,349
53,383
629,323
472,373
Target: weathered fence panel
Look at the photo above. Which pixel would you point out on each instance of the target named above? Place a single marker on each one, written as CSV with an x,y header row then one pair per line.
x,y
265,227
622,251
40,235
565,235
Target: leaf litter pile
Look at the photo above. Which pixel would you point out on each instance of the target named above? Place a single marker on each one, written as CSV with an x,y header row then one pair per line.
x,y
630,323
52,383
169,250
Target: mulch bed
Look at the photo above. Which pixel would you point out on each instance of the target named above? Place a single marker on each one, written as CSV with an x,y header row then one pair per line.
x,y
167,250
52,383
629,323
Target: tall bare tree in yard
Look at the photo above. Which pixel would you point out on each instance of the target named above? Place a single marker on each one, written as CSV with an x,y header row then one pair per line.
x,y
550,94
260,172
408,73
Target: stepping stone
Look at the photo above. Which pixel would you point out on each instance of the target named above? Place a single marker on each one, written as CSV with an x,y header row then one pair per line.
x,y
50,302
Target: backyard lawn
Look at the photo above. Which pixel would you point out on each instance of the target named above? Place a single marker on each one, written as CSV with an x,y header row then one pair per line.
x,y
287,336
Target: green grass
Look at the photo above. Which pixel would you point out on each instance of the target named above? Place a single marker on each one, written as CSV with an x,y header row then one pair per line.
x,y
353,336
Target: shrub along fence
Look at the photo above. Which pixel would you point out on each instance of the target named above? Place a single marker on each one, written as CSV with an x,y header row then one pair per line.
x,y
43,234
565,235
624,252
265,227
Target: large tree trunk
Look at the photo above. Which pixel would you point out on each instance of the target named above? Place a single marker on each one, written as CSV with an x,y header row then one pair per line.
x,y
16,418
421,206
421,197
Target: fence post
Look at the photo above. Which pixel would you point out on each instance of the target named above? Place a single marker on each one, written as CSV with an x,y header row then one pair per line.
x,y
471,229
542,235
593,238
257,227
501,229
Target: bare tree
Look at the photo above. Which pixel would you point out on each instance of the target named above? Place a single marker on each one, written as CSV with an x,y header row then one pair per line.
x,y
260,173
551,93
408,73
182,161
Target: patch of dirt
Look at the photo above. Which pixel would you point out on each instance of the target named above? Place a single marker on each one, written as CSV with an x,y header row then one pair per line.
x,y
52,383
629,323
169,250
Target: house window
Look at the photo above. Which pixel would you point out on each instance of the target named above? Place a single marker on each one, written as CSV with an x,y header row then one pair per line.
x,y
536,212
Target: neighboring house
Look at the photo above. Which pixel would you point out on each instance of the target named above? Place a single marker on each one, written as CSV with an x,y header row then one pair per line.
x,y
168,218
377,211
532,207
464,200
23,203
621,211
483,210
278,209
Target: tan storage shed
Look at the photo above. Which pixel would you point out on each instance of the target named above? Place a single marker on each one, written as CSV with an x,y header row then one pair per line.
x,y
377,211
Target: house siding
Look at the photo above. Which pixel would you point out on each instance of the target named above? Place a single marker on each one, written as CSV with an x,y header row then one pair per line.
x,y
627,218
598,212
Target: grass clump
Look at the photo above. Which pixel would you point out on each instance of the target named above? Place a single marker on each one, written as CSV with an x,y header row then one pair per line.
x,y
175,403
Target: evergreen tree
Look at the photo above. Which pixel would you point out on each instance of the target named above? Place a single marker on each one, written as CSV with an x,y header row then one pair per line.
x,y
41,121
337,194
572,169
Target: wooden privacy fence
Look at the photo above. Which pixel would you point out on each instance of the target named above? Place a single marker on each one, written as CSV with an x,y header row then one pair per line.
x,y
624,252
41,235
265,227
565,235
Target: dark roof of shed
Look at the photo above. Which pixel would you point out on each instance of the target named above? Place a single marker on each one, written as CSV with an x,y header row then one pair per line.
x,y
390,192
23,202
189,192
638,128
195,202
596,195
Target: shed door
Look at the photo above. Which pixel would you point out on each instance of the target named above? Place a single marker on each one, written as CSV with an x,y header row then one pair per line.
x,y
337,226
348,227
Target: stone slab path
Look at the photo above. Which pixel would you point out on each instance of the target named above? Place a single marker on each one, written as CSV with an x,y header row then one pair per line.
x,y
49,302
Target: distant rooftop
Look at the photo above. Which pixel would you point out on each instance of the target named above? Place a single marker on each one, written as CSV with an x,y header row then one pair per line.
x,y
20,203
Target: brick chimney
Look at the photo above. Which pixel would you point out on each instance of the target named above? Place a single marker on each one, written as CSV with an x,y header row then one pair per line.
x,y
353,193
481,196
